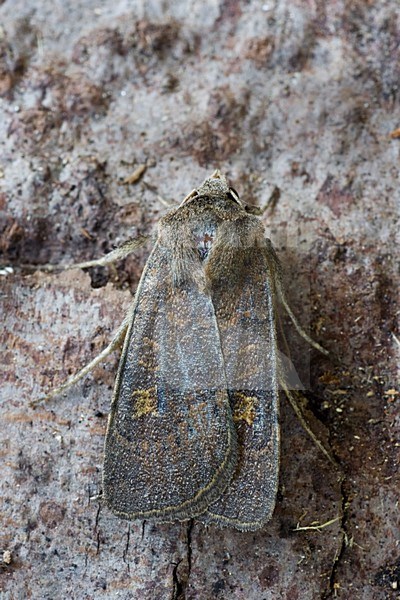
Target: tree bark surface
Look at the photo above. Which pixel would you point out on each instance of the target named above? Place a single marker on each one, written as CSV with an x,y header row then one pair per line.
x,y
302,97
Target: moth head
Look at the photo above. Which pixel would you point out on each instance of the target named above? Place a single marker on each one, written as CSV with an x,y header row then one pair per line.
x,y
215,187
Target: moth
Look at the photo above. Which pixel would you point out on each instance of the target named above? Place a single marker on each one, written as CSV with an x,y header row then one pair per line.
x,y
193,430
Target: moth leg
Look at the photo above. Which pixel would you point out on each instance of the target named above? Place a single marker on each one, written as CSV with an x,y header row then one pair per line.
x,y
299,329
113,256
305,425
115,342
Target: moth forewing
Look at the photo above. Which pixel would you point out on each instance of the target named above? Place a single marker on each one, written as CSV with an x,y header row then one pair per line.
x,y
246,320
171,444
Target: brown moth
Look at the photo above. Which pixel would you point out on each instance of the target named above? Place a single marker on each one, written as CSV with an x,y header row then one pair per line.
x,y
194,418
193,428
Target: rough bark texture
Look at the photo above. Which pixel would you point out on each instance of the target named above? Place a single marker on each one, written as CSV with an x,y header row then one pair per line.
x,y
300,95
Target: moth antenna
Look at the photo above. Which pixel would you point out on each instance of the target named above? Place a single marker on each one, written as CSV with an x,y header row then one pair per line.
x,y
188,197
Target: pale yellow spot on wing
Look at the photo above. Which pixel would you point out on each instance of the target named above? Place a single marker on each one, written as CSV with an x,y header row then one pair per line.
x,y
245,408
145,402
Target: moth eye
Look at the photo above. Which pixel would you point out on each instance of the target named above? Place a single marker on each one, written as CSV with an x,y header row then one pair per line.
x,y
233,195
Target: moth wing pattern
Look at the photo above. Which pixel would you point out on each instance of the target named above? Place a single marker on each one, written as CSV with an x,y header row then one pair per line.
x,y
246,319
170,447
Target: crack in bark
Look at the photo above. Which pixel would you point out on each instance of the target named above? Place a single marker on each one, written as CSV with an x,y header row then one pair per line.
x,y
333,583
98,541
143,529
96,528
334,586
126,549
181,581
345,503
189,547
177,588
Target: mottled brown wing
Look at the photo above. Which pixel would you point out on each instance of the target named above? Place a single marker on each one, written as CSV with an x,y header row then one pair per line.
x,y
170,448
245,315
